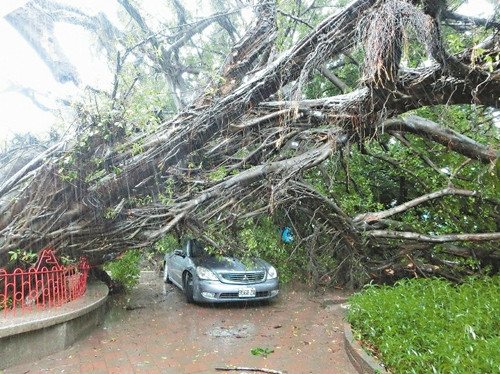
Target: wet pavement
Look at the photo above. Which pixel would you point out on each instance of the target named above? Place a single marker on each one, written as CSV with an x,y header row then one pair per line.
x,y
153,330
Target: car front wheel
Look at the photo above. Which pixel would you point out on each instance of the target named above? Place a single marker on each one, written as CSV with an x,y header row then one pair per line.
x,y
188,287
166,279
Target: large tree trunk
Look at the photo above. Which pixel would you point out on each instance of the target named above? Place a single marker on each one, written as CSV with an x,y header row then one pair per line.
x,y
137,194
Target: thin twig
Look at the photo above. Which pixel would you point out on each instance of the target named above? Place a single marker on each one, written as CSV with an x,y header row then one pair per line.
x,y
240,368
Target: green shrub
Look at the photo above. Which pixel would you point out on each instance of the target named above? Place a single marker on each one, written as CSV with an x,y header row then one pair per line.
x,y
22,258
430,325
263,239
126,269
166,244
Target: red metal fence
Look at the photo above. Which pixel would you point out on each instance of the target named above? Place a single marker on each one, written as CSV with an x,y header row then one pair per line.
x,y
46,284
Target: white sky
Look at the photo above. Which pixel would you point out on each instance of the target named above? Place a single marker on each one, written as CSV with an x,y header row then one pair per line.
x,y
22,66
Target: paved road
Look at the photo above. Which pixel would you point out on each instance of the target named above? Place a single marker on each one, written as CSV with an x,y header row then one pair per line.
x,y
153,330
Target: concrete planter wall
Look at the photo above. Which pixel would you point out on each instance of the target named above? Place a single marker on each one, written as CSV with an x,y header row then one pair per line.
x,y
362,362
29,337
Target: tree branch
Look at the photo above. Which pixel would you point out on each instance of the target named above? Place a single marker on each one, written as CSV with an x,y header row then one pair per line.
x,y
447,137
296,19
434,238
240,368
375,216
487,23
334,79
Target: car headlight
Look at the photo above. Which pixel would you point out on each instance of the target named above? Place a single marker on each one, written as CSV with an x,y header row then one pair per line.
x,y
272,273
204,273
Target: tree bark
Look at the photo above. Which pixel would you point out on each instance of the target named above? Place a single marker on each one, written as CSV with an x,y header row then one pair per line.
x,y
493,236
376,216
60,199
447,137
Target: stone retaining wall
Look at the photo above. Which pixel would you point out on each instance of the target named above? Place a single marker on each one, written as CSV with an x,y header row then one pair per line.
x,y
364,363
31,336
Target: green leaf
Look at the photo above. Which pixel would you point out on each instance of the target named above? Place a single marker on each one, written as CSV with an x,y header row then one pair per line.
x,y
263,352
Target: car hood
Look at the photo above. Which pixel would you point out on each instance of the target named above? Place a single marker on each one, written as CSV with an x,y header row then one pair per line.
x,y
231,264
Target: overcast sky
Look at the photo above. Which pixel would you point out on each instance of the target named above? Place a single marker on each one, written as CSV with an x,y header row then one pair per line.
x,y
21,66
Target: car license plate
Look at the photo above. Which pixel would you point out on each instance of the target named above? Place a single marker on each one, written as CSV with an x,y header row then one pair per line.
x,y
246,292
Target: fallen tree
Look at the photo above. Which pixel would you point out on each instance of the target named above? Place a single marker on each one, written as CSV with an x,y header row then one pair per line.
x,y
228,155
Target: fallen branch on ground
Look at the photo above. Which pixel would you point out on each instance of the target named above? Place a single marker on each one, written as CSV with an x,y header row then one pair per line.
x,y
238,368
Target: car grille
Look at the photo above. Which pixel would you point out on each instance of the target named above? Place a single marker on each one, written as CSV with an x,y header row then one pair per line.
x,y
229,295
234,295
244,277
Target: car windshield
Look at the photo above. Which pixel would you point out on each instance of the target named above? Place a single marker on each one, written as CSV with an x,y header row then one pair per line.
x,y
198,249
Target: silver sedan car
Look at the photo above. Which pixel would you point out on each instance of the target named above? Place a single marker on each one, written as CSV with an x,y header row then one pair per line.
x,y
207,278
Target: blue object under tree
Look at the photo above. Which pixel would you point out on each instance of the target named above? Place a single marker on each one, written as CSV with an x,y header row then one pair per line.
x,y
287,235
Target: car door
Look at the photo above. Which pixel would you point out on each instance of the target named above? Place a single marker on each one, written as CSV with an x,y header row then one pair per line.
x,y
177,264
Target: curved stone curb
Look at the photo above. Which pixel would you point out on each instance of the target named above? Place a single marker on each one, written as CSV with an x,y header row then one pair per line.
x,y
333,302
362,362
33,335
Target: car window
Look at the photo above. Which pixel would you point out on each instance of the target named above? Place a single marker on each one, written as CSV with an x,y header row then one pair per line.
x,y
198,249
184,247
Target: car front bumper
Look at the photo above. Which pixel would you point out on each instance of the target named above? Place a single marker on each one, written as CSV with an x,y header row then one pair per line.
x,y
217,292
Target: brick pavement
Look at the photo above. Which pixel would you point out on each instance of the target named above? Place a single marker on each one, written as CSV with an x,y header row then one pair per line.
x,y
163,334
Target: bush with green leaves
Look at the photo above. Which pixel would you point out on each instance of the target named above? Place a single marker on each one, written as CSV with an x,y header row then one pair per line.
x,y
166,244
431,325
22,258
262,238
126,269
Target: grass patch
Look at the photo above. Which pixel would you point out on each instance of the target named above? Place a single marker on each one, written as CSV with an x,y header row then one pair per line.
x,y
430,325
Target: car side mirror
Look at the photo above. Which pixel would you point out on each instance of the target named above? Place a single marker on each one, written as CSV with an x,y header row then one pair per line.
x,y
179,252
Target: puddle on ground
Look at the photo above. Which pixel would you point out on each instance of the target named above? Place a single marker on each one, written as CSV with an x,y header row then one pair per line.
x,y
239,331
149,293
116,311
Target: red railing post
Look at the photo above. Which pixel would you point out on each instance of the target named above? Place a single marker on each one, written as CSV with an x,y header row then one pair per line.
x,y
3,290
